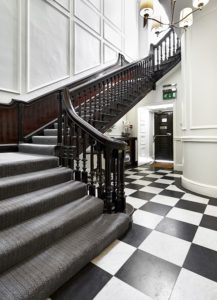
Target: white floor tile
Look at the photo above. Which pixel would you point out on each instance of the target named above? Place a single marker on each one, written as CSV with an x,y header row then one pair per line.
x,y
174,175
130,172
151,189
185,215
114,256
195,198
134,177
142,182
135,202
146,219
191,286
166,247
207,238
174,188
166,200
129,191
211,210
154,176
116,289
164,181
163,171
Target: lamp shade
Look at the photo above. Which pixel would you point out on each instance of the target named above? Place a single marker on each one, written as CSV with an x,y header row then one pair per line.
x,y
186,17
200,3
146,7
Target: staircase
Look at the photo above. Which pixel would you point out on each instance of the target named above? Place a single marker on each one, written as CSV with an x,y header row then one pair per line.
x,y
50,227
62,197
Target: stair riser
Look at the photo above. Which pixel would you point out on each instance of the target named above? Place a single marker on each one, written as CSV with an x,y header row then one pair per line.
x,y
44,141
46,234
27,167
18,188
35,149
42,204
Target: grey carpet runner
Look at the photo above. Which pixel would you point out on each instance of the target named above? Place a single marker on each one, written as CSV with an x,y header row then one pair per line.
x,y
50,227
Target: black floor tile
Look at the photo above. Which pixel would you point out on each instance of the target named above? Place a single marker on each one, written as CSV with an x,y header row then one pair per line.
x,y
156,208
148,178
190,205
84,286
141,174
136,235
213,201
172,194
142,195
177,228
151,275
134,186
202,261
129,180
209,222
159,185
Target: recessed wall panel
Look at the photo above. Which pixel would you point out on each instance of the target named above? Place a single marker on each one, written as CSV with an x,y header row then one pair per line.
x,y
87,50
110,55
63,3
87,15
112,35
113,12
48,44
9,45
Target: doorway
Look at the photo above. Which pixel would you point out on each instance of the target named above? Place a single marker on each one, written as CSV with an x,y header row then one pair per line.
x,y
163,135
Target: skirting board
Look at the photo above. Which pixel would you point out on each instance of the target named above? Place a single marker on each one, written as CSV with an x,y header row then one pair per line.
x,y
200,188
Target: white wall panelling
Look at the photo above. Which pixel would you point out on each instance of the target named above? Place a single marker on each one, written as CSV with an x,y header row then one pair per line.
x,y
48,45
109,54
131,42
111,35
113,12
87,51
10,45
87,15
96,4
203,100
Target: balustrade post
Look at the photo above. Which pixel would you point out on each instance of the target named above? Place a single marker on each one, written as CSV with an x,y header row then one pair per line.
x,y
121,199
108,187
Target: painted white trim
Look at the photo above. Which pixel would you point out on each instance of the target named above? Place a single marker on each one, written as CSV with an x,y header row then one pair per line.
x,y
111,42
98,9
199,139
178,167
200,188
59,6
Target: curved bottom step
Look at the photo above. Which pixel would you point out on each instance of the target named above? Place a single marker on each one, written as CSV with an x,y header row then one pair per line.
x,y
41,275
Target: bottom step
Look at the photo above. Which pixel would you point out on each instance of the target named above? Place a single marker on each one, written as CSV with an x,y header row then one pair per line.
x,y
41,275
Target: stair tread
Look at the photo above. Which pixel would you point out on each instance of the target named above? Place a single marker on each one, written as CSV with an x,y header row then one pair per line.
x,y
16,209
39,276
27,238
37,149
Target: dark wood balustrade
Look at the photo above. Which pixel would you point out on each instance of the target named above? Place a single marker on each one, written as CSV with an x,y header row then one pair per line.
x,y
88,108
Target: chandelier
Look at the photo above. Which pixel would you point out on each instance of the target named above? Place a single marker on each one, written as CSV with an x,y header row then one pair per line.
x,y
158,26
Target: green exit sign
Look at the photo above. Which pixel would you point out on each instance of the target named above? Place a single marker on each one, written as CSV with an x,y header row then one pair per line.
x,y
169,91
169,95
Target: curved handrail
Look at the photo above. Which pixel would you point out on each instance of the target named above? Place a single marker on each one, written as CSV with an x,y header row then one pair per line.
x,y
89,129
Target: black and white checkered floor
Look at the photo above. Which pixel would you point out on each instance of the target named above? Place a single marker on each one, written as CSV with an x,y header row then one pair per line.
x,y
170,253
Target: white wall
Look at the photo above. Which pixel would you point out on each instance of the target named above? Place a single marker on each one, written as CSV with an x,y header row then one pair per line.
x,y
155,98
199,121
49,43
